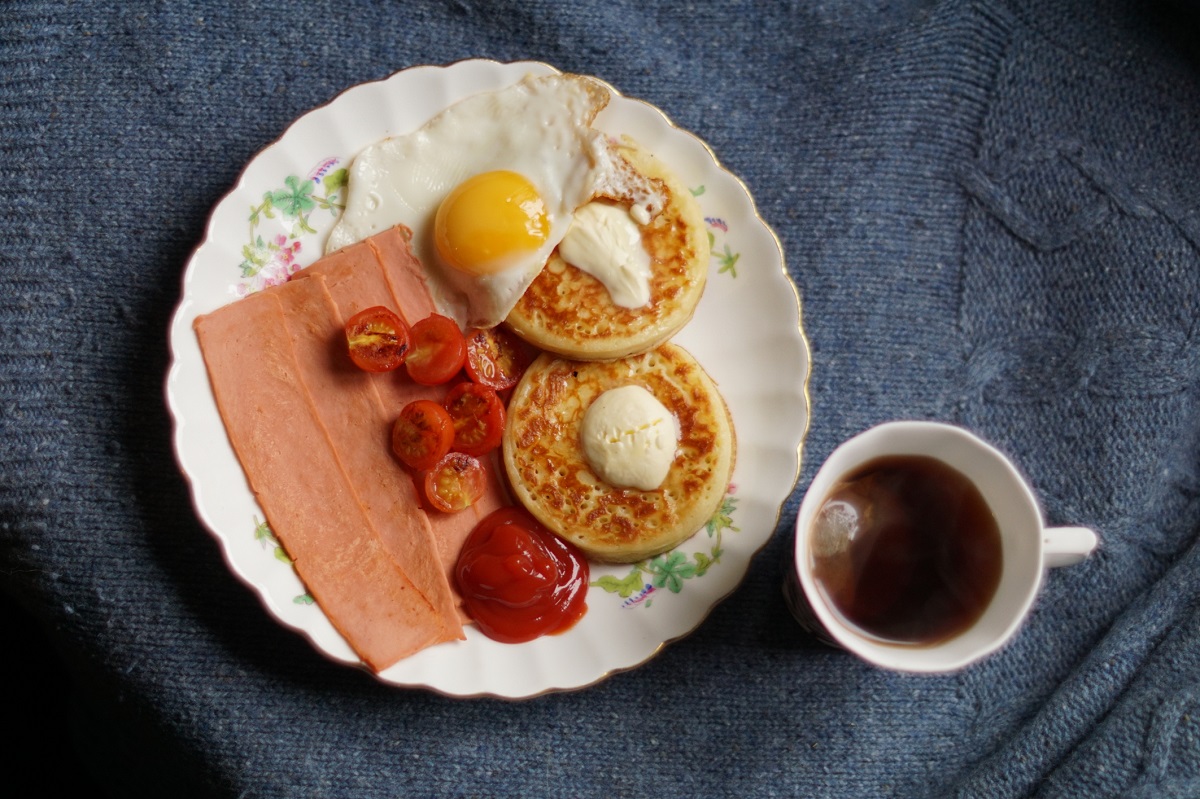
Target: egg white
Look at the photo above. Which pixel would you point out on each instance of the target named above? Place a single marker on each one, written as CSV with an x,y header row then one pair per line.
x,y
539,128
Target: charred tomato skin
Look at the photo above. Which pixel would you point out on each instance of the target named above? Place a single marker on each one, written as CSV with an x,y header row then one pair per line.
x,y
496,358
437,350
377,339
455,482
422,434
478,415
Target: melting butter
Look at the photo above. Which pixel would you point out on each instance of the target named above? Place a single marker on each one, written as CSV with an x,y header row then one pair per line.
x,y
629,438
606,242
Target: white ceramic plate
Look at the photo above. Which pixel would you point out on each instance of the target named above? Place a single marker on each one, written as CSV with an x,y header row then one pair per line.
x,y
746,332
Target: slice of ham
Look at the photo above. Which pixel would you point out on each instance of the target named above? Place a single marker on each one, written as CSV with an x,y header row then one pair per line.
x,y
359,429
308,499
379,271
312,434
397,280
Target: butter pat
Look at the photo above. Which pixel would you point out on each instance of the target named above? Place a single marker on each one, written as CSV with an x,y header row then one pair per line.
x,y
629,438
606,242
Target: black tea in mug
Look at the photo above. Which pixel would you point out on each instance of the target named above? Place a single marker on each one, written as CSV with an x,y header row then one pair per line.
x,y
906,550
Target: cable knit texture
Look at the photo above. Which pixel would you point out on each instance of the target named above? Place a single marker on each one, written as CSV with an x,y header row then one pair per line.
x,y
992,211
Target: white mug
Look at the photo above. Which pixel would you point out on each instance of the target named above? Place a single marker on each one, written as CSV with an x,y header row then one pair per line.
x,y
1027,546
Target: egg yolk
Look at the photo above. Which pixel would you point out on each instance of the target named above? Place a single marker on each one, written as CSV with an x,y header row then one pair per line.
x,y
487,220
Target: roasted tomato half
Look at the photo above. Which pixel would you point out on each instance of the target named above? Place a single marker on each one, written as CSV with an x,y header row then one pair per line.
x,y
496,358
455,482
437,350
377,339
478,417
422,434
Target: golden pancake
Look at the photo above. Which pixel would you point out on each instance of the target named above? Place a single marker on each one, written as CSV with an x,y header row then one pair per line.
x,y
569,312
543,453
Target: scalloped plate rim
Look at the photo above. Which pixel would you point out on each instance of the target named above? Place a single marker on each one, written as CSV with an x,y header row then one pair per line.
x,y
180,331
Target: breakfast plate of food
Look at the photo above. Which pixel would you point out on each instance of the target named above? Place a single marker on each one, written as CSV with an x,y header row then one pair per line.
x,y
488,379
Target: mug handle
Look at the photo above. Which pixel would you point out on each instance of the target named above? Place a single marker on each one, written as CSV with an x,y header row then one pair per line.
x,y
1066,546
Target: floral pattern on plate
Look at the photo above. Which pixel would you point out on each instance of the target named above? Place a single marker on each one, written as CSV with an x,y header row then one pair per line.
x,y
271,260
746,332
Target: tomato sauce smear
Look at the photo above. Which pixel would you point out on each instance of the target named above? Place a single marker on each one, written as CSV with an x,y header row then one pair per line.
x,y
518,580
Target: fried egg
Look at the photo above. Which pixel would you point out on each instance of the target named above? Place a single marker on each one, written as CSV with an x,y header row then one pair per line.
x,y
488,187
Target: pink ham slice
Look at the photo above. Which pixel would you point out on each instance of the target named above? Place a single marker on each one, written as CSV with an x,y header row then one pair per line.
x,y
398,281
379,566
359,427
379,271
308,499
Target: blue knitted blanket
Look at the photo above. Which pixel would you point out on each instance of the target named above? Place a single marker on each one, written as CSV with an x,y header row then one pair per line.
x,y
992,212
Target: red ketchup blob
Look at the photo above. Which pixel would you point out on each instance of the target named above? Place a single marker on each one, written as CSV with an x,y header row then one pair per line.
x,y
518,580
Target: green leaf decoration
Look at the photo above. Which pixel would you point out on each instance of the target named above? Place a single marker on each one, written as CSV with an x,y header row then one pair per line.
x,y
295,200
262,532
723,518
265,209
626,587
304,226
696,192
266,263
335,180
304,599
728,261
265,536
670,571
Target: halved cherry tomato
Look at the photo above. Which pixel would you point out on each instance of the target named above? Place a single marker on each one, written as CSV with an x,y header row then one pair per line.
x,y
478,417
377,339
437,350
455,482
496,358
422,434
